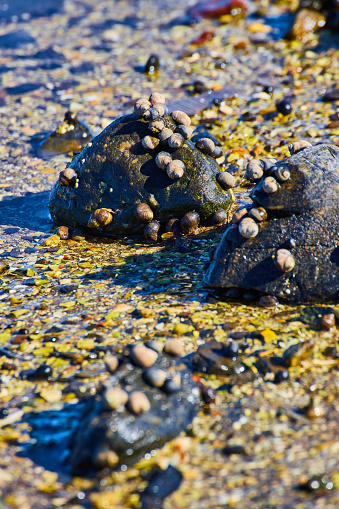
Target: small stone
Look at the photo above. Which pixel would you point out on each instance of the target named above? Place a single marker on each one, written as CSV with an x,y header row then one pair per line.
x,y
173,347
138,403
239,215
181,118
226,180
176,140
248,228
53,395
150,142
114,397
63,232
306,22
111,362
284,107
163,159
176,169
3,266
53,240
281,376
143,356
155,377
297,146
270,185
157,346
165,134
156,98
259,214
171,386
284,260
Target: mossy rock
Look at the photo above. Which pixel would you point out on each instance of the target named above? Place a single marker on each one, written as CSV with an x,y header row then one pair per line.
x,y
115,172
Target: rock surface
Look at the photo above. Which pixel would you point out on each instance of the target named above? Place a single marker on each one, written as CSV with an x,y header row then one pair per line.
x,y
130,436
303,219
115,172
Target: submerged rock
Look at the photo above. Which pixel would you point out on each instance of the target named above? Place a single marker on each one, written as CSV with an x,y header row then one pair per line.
x,y
295,254
71,136
119,169
108,438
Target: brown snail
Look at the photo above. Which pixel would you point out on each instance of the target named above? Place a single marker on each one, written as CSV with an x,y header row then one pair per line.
x,y
67,177
151,230
176,169
248,228
190,222
100,218
143,213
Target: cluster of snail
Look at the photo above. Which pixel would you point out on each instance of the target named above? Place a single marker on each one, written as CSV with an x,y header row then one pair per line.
x,y
154,110
274,176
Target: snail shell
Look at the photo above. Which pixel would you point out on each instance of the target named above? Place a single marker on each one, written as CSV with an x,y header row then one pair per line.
x,y
259,214
219,217
248,228
180,117
190,222
165,134
67,177
284,260
176,169
185,131
270,185
63,232
156,98
161,109
206,145
157,125
280,173
176,140
151,230
217,152
225,180
163,159
297,146
239,215
141,106
143,213
100,218
150,142
254,170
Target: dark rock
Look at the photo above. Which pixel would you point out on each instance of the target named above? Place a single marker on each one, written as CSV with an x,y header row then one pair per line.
x,y
305,208
15,39
25,88
210,358
234,449
161,484
71,136
116,172
130,436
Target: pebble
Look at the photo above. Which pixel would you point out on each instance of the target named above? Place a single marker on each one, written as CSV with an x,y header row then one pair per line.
x,y
284,107
163,159
138,402
157,346
173,347
142,356
150,142
248,228
281,376
111,362
270,185
114,397
176,169
181,118
3,266
226,180
155,377
176,140
171,386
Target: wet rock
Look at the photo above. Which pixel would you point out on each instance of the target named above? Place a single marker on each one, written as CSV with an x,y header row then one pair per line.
x,y
210,358
143,356
129,434
160,485
303,208
116,172
15,39
71,136
307,21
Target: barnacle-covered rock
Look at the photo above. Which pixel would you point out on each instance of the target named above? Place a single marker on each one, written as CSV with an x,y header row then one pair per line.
x,y
118,169
295,255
